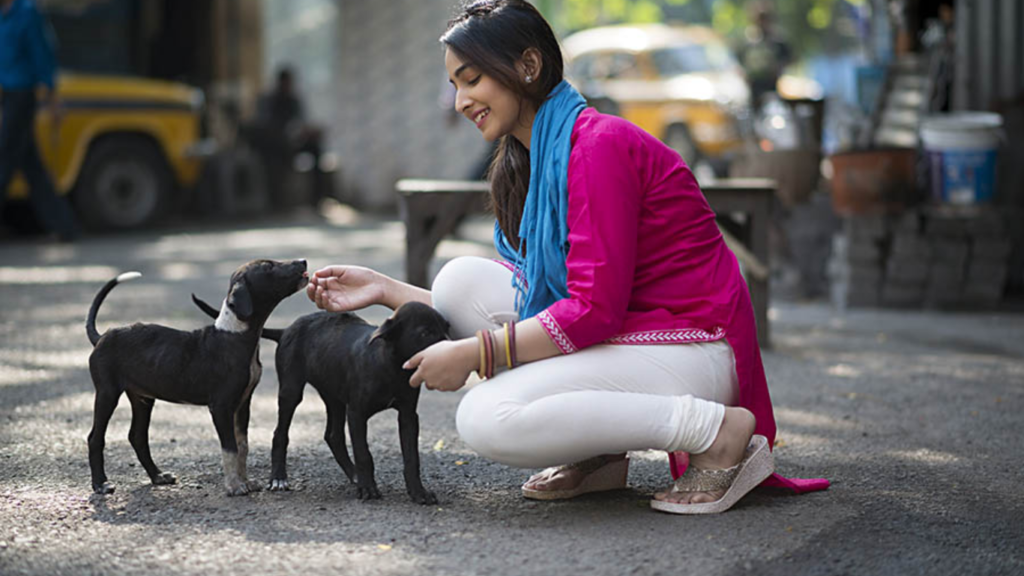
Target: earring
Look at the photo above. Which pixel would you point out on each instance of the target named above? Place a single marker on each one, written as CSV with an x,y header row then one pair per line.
x,y
528,79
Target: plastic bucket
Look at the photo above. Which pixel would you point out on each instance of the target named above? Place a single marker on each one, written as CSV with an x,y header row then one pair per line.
x,y
961,149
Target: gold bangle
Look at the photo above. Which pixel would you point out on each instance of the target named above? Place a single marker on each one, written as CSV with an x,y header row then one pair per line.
x,y
508,349
483,354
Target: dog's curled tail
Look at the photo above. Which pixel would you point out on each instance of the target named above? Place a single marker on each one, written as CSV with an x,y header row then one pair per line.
x,y
90,322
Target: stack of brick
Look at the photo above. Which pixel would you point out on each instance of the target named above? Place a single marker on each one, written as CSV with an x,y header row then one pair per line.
x,y
935,257
866,239
906,267
950,242
989,265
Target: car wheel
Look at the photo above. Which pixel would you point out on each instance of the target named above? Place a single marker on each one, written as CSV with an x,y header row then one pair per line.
x,y
679,139
124,184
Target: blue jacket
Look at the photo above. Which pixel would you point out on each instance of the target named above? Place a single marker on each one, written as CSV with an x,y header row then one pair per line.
x,y
26,52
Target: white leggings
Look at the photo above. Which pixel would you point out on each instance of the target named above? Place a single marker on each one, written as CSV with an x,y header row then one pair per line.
x,y
604,399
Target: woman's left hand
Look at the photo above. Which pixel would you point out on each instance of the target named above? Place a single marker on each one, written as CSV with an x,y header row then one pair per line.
x,y
445,365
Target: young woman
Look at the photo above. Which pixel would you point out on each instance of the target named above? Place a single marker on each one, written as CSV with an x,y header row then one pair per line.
x,y
619,319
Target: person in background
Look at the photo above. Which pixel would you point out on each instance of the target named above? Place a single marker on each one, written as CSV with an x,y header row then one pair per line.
x,y
764,54
280,132
27,61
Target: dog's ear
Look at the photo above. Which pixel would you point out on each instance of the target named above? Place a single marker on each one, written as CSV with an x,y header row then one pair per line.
x,y
240,301
385,330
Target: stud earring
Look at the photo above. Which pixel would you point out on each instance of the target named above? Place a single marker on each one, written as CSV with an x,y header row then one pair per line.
x,y
528,78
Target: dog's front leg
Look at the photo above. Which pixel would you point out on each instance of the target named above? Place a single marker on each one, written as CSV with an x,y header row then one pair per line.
x,y
242,441
224,421
366,483
409,434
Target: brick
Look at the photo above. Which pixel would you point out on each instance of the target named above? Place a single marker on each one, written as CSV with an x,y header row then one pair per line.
x,y
899,294
865,252
950,251
865,274
986,225
991,250
946,274
947,291
986,273
912,222
946,226
863,294
865,226
910,246
941,299
985,296
906,271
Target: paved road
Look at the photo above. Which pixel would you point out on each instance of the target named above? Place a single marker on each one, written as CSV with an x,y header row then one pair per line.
x,y
913,416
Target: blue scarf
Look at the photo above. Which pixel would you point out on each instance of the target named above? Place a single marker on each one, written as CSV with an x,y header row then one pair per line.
x,y
544,225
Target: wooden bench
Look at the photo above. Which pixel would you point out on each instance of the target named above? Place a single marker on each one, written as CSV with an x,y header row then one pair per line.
x,y
431,209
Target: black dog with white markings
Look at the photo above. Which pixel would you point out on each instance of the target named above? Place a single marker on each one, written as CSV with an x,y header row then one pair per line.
x,y
357,369
217,366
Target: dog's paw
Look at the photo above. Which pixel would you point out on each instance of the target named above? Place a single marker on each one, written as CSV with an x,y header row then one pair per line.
x,y
105,488
164,479
238,488
253,486
368,493
279,485
423,497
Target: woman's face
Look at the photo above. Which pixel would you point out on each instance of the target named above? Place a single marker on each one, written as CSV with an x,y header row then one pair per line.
x,y
494,109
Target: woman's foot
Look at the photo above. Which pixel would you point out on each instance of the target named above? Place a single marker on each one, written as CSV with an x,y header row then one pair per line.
x,y
595,474
725,452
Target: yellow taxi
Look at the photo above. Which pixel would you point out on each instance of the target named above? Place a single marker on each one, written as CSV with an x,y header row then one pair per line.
x,y
681,84
124,149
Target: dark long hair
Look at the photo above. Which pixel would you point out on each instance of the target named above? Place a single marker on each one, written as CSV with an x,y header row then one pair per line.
x,y
492,35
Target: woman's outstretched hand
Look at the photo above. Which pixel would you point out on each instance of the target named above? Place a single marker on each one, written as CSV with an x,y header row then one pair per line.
x,y
445,365
345,288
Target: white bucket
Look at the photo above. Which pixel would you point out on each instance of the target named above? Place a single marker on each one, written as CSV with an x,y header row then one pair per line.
x,y
962,149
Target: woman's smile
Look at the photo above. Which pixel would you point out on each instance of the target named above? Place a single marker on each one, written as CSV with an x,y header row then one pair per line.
x,y
479,117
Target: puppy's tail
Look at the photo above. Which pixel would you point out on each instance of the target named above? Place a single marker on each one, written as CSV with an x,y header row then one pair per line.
x,y
273,334
90,322
268,333
206,308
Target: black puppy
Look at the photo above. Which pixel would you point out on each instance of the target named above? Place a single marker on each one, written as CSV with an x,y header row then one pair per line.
x,y
357,369
217,366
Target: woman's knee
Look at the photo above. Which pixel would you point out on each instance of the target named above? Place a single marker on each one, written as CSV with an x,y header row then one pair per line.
x,y
485,423
455,286
470,292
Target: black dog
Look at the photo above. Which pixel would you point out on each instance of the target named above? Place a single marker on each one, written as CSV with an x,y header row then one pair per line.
x,y
357,369
217,366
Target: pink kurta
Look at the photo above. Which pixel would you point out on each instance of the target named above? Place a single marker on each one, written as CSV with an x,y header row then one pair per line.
x,y
647,263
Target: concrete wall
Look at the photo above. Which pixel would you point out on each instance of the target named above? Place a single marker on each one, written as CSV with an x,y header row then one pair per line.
x,y
372,72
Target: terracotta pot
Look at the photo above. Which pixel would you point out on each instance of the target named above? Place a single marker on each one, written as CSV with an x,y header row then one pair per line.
x,y
873,181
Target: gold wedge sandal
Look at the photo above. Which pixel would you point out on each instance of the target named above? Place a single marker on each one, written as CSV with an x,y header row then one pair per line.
x,y
737,481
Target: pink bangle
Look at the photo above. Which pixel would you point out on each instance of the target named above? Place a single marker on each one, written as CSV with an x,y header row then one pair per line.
x,y
511,334
489,351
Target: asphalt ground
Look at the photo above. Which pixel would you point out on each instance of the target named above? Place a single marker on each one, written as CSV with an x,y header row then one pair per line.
x,y
914,417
